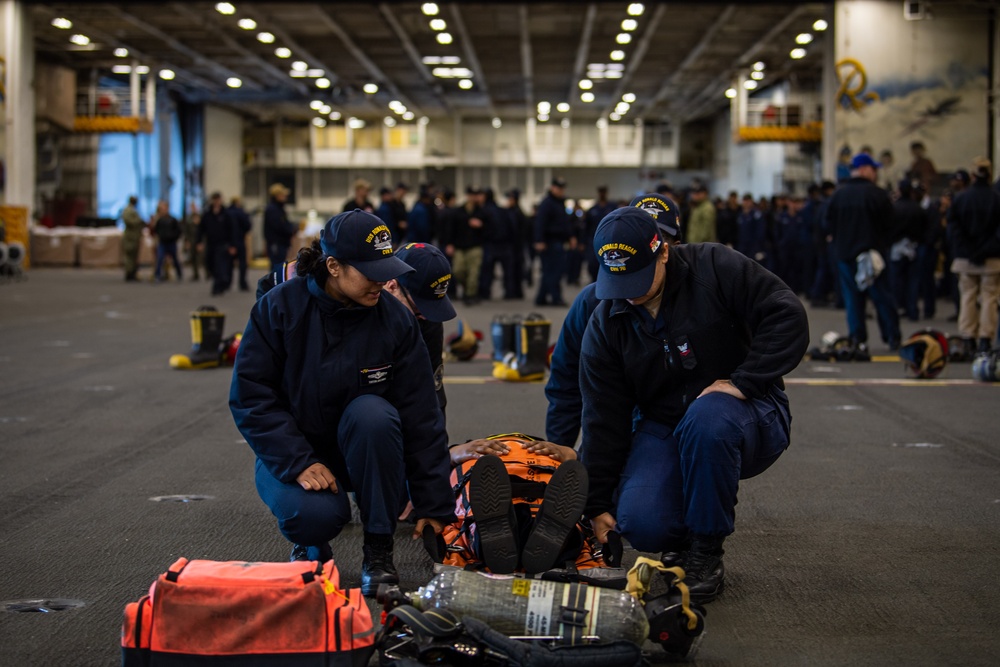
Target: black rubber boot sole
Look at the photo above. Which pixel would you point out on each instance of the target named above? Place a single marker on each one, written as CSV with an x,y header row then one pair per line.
x,y
490,496
565,499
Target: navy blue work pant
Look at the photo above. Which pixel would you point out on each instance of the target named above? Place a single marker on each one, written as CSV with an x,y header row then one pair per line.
x,y
370,437
553,269
277,253
684,481
854,304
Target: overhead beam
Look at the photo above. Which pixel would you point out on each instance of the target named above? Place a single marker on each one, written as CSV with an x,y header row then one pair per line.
x,y
363,58
527,68
470,56
637,55
414,55
180,47
692,56
281,78
709,94
582,49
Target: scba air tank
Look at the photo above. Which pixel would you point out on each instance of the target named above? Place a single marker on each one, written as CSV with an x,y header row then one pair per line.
x,y
517,607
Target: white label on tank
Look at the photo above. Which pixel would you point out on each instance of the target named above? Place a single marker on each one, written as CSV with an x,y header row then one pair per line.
x,y
540,598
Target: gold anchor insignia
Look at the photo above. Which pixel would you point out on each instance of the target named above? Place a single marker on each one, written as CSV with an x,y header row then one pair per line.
x,y
856,95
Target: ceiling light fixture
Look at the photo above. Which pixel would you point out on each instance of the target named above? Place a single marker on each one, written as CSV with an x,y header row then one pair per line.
x,y
544,107
444,38
283,52
623,38
265,38
628,97
167,74
325,109
564,123
62,23
225,8
316,104
629,25
636,9
121,69
247,24
496,123
618,54
756,76
142,69
586,84
730,93
614,74
233,82
749,84
543,117
587,97
759,66
300,66
797,54
622,107
465,84
370,88
314,73
438,24
562,107
334,115
121,52
820,25
389,121
803,38
355,123
613,116
319,122
409,116
429,9
80,40
601,123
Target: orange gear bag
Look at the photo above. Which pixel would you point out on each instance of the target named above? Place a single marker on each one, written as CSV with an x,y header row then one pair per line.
x,y
529,474
252,614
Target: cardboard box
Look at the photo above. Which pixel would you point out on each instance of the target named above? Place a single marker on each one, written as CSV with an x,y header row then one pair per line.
x,y
53,247
99,248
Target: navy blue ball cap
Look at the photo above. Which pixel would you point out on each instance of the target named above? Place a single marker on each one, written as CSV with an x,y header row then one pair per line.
x,y
627,242
663,210
428,284
363,241
864,160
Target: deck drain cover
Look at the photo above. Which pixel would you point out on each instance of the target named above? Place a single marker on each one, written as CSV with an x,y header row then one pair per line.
x,y
44,606
183,498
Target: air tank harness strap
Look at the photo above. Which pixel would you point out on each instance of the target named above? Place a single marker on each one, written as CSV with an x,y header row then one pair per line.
x,y
639,583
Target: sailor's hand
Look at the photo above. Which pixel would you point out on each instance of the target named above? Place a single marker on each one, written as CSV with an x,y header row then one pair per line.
x,y
418,531
317,477
602,524
724,386
474,449
551,449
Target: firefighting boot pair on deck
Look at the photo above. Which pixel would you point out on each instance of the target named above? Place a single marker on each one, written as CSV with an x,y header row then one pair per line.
x,y
520,347
490,496
701,559
208,349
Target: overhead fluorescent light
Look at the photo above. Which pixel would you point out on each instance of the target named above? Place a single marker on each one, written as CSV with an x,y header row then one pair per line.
x,y
355,123
820,25
167,74
628,97
121,69
438,24
121,52
234,82
750,84
300,66
265,38
62,23
325,109
803,38
409,115
629,25
142,69
797,54
80,40
334,115
756,76
623,38
316,104
429,9
247,24
370,88
496,123
465,84
562,107
587,97
444,38
315,73
283,52
323,82
389,121
225,8
759,66
319,122
544,107
618,54
636,9
730,93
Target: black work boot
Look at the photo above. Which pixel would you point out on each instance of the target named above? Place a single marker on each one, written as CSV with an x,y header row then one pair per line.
x,y
673,554
704,573
984,345
490,496
562,506
377,567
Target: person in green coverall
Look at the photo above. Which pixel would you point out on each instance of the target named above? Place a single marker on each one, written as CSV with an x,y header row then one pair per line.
x,y
131,238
